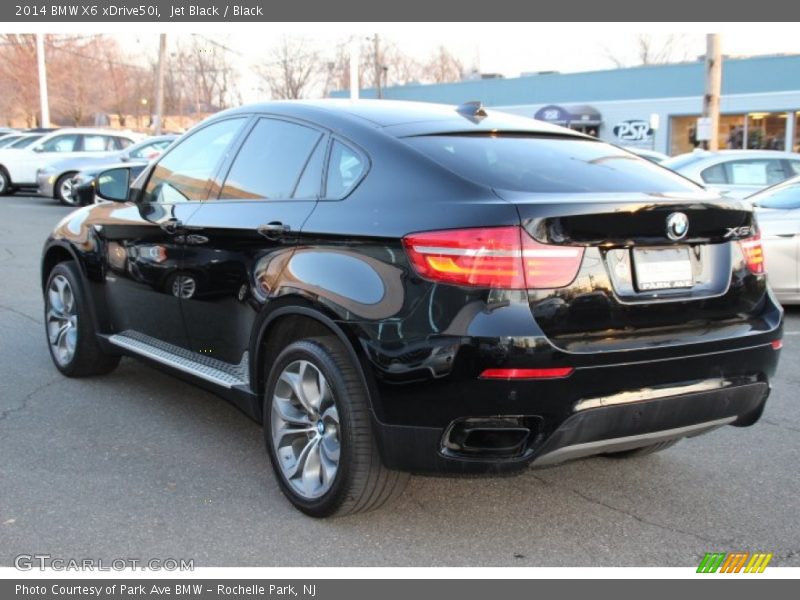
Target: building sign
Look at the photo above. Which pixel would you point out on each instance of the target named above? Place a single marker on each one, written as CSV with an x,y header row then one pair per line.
x,y
704,126
634,130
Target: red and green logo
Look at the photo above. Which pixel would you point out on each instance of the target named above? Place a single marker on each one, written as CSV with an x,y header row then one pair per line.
x,y
734,562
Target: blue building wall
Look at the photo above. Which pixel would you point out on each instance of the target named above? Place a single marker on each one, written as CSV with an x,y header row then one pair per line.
x,y
740,76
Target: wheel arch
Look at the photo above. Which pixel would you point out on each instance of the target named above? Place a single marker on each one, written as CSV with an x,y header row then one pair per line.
x,y
292,318
56,252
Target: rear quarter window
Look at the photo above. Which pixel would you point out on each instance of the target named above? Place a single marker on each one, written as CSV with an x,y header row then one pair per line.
x,y
547,165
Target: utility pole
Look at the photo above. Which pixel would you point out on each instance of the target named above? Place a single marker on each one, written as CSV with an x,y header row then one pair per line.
x,y
44,105
378,68
713,88
162,58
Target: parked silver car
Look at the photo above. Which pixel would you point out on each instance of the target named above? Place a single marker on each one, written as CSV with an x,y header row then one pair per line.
x,y
778,214
54,180
736,173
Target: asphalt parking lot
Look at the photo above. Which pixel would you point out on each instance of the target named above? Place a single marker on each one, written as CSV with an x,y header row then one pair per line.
x,y
138,464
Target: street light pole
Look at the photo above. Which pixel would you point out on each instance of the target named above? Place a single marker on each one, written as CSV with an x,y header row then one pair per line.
x,y
713,88
162,55
44,105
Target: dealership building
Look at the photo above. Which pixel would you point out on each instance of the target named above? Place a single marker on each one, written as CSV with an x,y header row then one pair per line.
x,y
654,106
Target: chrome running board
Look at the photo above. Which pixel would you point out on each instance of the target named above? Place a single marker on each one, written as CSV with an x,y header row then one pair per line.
x,y
213,370
626,443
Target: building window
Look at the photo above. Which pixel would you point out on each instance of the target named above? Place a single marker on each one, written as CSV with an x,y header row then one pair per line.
x,y
766,131
756,130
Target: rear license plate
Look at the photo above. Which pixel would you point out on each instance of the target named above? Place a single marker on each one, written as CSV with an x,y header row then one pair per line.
x,y
662,268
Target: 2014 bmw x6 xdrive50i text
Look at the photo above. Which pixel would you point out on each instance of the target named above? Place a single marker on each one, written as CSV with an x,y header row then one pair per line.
x,y
398,287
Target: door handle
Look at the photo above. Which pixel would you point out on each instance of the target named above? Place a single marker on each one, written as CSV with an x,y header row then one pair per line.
x,y
171,225
274,230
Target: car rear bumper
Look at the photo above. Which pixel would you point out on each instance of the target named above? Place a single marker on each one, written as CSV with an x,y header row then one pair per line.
x,y
596,410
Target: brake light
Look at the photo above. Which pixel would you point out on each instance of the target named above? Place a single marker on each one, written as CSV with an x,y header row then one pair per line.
x,y
776,344
495,257
753,254
549,373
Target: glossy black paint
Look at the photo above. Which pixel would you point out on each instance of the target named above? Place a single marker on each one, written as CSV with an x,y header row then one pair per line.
x,y
218,276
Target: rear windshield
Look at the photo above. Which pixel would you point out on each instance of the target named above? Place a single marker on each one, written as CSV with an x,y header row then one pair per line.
x,y
683,160
787,197
542,164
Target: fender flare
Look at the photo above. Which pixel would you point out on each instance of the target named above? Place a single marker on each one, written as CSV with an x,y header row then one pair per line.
x,y
75,257
299,306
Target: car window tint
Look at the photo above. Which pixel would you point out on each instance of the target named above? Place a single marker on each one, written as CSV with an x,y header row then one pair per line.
x,y
308,188
714,174
121,143
61,143
795,166
270,161
541,164
783,197
185,172
759,172
345,167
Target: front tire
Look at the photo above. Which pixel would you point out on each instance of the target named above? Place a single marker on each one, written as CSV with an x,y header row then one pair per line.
x,y
5,183
68,325
319,435
64,192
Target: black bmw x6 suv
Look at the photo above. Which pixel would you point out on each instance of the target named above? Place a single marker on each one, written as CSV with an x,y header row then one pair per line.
x,y
398,287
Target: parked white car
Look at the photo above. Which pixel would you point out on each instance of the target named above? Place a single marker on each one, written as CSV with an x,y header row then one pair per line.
x,y
651,155
736,173
18,166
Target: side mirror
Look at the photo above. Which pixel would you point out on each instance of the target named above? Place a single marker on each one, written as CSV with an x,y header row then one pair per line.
x,y
38,149
113,184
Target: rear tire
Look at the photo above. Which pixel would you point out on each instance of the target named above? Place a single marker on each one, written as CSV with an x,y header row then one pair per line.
x,y
325,458
64,192
644,450
69,329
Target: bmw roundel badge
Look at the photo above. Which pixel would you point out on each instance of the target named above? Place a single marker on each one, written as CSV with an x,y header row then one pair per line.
x,y
677,226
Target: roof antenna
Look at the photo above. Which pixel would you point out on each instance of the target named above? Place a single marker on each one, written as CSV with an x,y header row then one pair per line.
x,y
472,110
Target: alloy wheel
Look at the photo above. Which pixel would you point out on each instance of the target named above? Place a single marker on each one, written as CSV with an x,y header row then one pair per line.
x,y
305,429
62,320
66,191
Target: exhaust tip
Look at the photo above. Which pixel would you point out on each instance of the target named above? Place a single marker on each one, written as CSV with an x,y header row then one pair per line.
x,y
490,437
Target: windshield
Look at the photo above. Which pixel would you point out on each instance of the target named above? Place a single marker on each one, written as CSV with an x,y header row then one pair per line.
x,y
548,164
25,142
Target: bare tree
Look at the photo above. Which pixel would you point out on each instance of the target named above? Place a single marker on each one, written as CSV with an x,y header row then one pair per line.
x,y
207,72
74,97
400,68
293,70
653,50
20,89
443,67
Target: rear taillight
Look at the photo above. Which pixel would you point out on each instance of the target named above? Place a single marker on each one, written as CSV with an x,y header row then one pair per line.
x,y
753,254
495,257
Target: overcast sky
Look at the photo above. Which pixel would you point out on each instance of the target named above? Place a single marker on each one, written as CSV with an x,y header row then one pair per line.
x,y
509,49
